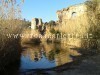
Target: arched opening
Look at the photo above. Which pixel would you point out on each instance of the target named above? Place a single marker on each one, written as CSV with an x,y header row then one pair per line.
x,y
73,14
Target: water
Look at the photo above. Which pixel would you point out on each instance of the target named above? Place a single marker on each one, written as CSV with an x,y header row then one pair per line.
x,y
46,56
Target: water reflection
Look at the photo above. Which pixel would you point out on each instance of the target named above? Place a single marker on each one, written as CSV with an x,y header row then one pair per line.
x,y
46,55
54,59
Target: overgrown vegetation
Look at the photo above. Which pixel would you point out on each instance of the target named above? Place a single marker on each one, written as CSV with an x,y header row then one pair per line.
x,y
93,12
10,25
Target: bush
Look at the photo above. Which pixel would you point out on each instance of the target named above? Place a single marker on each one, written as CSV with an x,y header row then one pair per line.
x,y
52,31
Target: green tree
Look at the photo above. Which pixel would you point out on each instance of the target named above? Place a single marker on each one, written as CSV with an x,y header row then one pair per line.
x,y
52,23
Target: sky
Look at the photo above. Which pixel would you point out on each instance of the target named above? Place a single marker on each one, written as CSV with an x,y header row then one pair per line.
x,y
45,9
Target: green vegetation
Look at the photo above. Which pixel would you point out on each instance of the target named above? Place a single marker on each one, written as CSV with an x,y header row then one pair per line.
x,y
52,23
52,31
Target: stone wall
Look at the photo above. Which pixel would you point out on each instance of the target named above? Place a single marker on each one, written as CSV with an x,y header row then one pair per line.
x,y
35,22
73,19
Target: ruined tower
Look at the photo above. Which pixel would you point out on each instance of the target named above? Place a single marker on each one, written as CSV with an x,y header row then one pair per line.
x,y
35,23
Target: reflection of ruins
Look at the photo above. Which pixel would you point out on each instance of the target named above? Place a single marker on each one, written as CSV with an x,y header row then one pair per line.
x,y
34,52
63,57
52,52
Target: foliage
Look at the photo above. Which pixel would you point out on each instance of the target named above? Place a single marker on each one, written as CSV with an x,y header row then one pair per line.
x,y
93,16
52,23
10,25
52,31
93,11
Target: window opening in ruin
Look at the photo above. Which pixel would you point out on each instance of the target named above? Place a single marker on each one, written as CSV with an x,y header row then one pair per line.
x,y
73,14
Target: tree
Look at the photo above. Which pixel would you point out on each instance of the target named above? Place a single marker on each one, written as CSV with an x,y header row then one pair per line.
x,y
10,13
10,9
52,23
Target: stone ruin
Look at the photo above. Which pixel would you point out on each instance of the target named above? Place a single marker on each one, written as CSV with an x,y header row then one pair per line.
x,y
36,22
74,20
